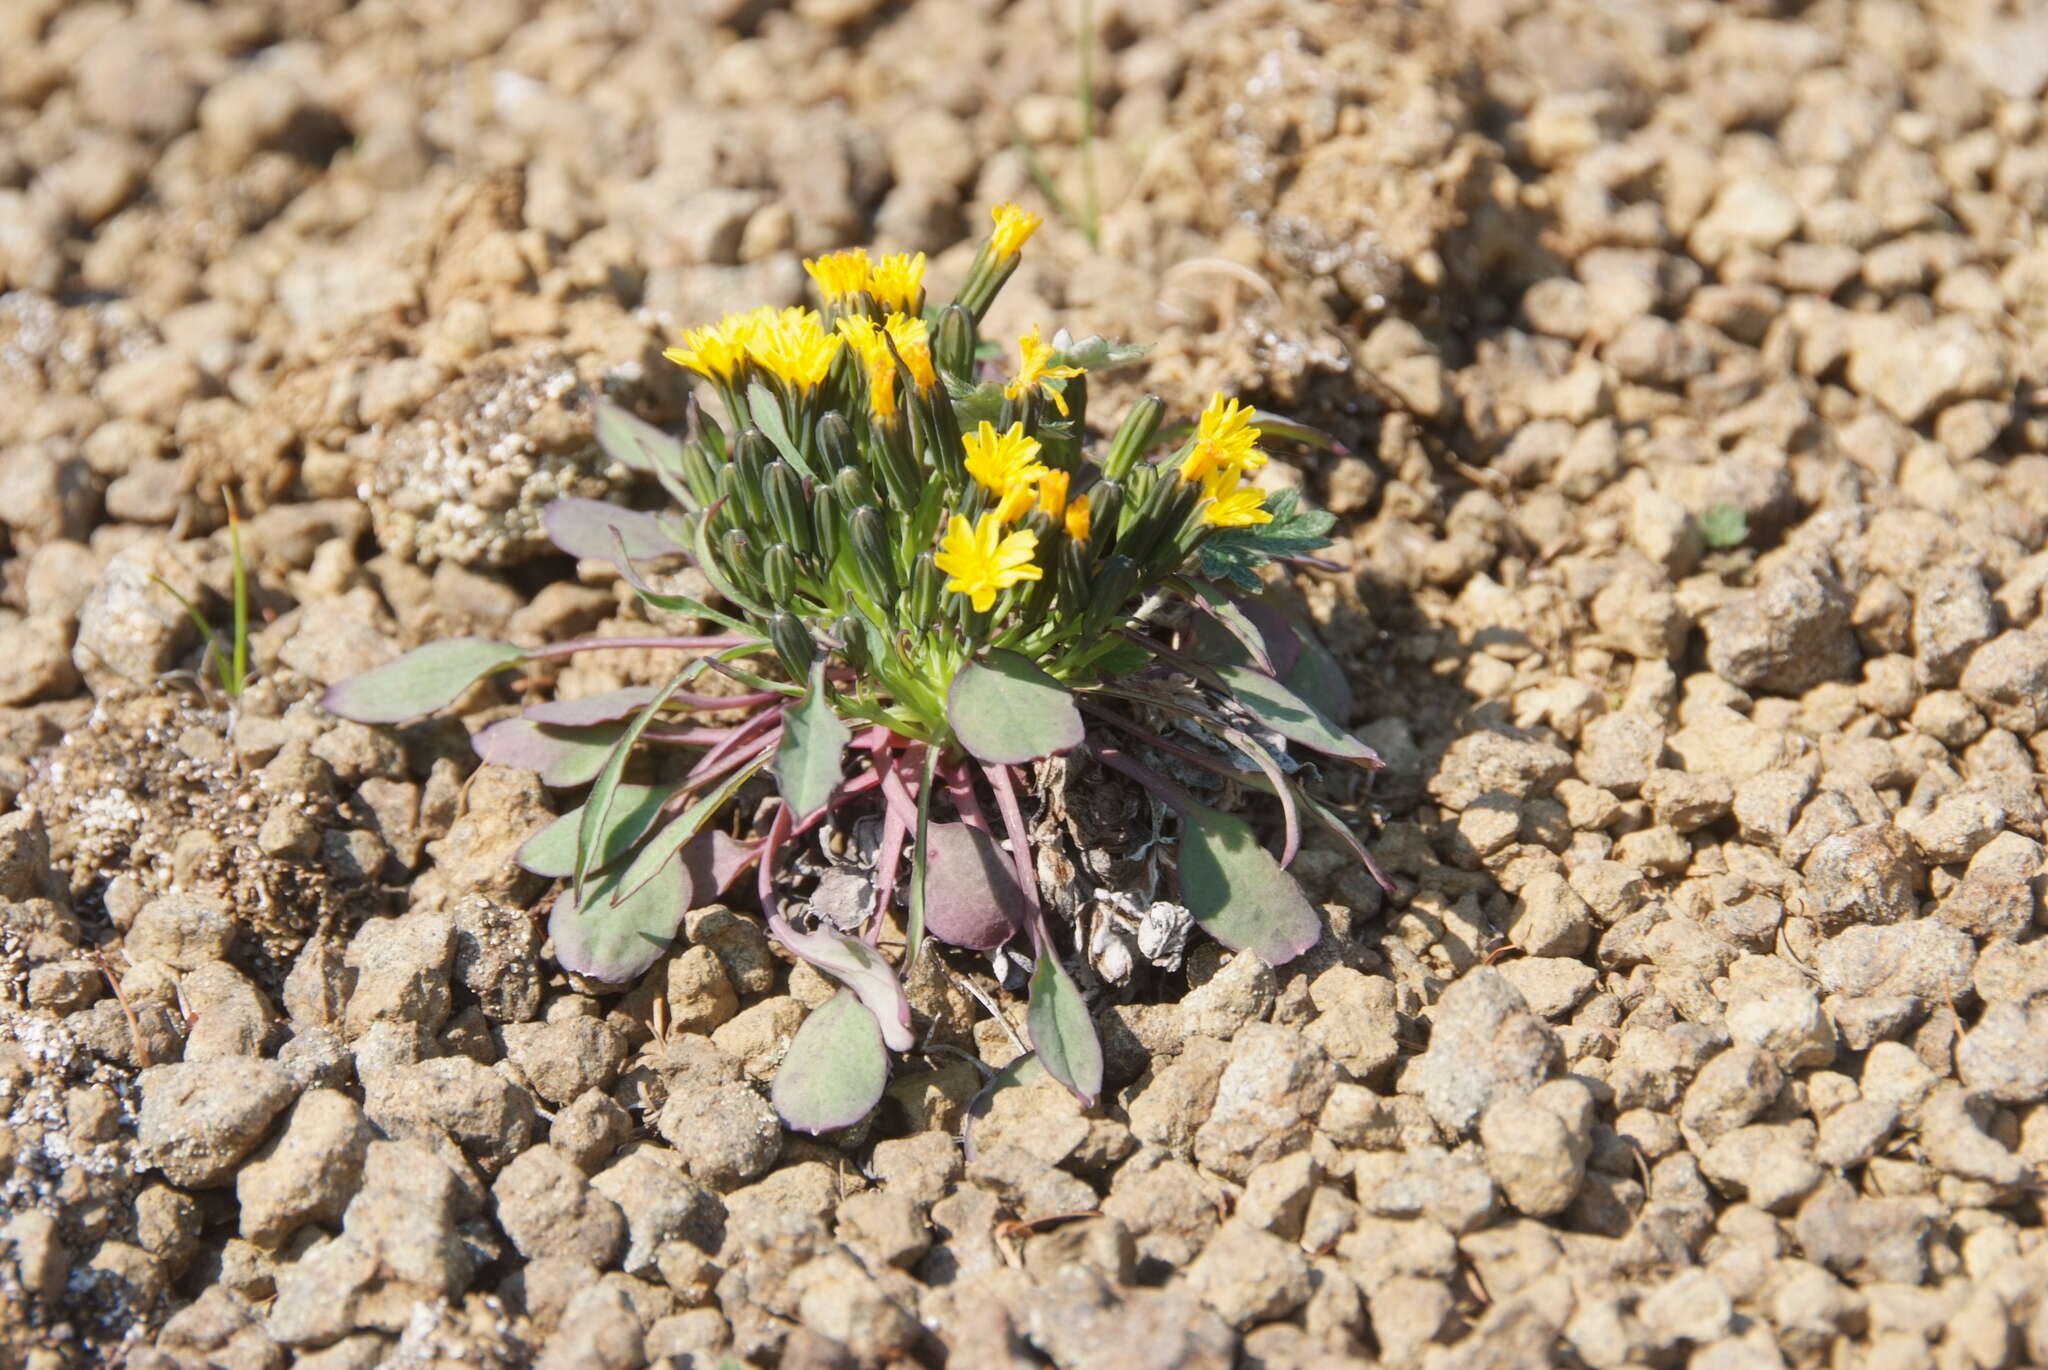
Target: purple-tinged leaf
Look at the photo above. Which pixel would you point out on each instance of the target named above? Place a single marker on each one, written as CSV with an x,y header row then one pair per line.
x,y
616,939
810,760
1062,1033
920,865
670,602
593,528
633,442
860,968
597,806
608,707
552,850
1226,613
715,861
1237,892
1006,711
683,828
561,757
1288,714
835,1069
971,897
423,680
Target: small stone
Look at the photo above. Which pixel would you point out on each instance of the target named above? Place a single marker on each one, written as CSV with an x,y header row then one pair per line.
x,y
548,1207
1853,1133
2006,1053
1242,992
1869,874
182,930
1266,1100
402,969
1728,1092
726,1131
1249,1276
309,1173
199,1119
488,1116
1787,1022
590,1128
564,1058
1953,615
2008,679
1789,634
661,1205
700,995
1550,918
1484,1044
1531,1155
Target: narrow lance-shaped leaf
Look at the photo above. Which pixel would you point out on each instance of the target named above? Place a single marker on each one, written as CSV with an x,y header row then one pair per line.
x,y
835,1070
552,850
1228,615
597,807
423,680
613,936
810,759
1007,711
1061,1030
596,529
633,442
861,969
1237,892
768,418
608,707
1288,714
674,603
685,827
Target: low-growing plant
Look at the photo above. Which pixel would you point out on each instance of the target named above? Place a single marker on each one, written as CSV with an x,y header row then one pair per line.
x,y
230,665
930,576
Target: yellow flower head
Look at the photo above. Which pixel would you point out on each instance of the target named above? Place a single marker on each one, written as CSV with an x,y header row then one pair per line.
x,y
840,276
1002,462
1014,227
1225,440
1052,494
1032,371
1077,519
868,344
982,561
1231,505
913,344
897,282
793,346
716,351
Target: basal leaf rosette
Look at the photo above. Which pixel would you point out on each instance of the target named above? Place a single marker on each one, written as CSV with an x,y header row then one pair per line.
x,y
930,576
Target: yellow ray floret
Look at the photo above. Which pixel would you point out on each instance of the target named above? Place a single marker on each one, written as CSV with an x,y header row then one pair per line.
x,y
1002,462
982,561
1077,519
872,348
715,352
1033,373
897,282
913,344
1052,494
1225,440
1014,227
1231,505
840,276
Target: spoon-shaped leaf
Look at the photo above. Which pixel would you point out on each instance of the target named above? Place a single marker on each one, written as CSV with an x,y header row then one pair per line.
x,y
562,757
1238,893
835,1070
552,850
1288,714
1006,711
1062,1033
860,968
616,938
971,896
423,680
600,708
810,759
595,528
633,442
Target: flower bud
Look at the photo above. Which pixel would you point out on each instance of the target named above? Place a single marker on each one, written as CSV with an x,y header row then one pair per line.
x,y
750,458
922,601
778,573
1133,437
953,352
793,643
835,442
1113,586
869,539
788,513
827,511
854,488
1105,506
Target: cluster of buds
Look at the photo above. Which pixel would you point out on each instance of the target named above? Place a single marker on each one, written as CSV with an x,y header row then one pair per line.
x,y
882,501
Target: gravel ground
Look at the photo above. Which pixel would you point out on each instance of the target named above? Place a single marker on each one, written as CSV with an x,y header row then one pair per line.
x,y
1693,364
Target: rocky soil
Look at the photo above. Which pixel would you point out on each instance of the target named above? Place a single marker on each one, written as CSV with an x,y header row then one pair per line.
x,y
1692,360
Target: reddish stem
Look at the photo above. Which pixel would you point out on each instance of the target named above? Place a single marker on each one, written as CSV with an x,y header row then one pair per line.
x,y
1020,848
594,644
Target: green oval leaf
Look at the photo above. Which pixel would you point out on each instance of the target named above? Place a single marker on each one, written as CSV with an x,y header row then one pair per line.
x,y
1006,711
1238,893
1062,1032
835,1070
810,759
1288,714
423,680
552,850
612,934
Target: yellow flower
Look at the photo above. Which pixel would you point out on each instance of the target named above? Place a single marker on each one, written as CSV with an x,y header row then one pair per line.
x,y
794,346
913,344
897,282
981,561
1225,440
1014,228
1052,494
1015,504
873,350
840,276
1002,462
716,351
1077,519
1032,371
1232,506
